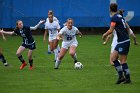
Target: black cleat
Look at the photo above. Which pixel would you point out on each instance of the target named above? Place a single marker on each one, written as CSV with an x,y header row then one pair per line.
x,y
56,68
120,80
127,81
6,64
75,61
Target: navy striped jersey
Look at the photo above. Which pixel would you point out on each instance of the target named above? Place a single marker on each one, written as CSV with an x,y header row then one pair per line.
x,y
26,35
120,27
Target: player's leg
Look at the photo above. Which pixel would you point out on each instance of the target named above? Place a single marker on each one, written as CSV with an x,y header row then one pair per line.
x,y
49,49
62,53
18,53
30,52
117,66
72,52
58,48
123,59
2,58
55,44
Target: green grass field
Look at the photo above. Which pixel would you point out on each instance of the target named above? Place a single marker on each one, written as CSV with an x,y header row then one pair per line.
x,y
97,76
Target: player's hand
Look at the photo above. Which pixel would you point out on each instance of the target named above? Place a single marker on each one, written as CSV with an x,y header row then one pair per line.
x,y
80,36
104,36
41,21
59,38
104,43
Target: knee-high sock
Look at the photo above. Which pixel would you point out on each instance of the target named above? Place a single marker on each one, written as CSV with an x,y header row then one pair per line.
x,y
126,70
57,63
58,48
21,59
49,50
31,62
75,57
56,54
118,68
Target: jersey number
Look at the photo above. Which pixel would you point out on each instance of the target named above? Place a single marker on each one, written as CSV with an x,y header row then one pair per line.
x,y
69,38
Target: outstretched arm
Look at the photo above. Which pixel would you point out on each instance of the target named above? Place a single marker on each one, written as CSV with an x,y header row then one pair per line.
x,y
36,26
8,33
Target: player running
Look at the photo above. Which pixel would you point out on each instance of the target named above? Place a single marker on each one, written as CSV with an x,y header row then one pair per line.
x,y
50,12
68,34
28,41
122,29
53,28
114,41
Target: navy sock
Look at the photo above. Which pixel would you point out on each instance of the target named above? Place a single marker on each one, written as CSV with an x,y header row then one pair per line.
x,y
126,70
31,62
21,59
2,58
118,68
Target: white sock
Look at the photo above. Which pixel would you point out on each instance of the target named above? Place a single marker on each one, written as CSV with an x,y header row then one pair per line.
x,y
75,57
56,54
58,47
49,50
57,63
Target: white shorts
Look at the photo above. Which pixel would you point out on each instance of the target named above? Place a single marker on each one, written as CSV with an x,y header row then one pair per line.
x,y
66,45
112,49
52,38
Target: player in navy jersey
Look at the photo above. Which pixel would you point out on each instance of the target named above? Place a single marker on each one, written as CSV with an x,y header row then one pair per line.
x,y
119,24
28,41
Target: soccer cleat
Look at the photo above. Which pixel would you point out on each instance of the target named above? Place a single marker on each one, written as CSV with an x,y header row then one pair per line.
x,y
31,67
56,68
75,61
23,65
49,52
6,64
127,81
120,80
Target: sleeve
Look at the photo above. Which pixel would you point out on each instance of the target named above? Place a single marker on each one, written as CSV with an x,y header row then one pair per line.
x,y
55,19
77,30
16,31
58,26
113,21
62,31
46,27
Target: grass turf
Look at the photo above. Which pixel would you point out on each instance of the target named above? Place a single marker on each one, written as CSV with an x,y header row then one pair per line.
x,y
97,76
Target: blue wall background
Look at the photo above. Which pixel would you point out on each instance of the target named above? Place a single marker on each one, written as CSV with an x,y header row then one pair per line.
x,y
86,13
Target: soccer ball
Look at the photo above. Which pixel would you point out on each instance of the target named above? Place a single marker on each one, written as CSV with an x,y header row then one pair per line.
x,y
78,65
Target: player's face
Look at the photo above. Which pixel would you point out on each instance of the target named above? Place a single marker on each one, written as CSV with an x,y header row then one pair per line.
x,y
50,18
69,24
20,25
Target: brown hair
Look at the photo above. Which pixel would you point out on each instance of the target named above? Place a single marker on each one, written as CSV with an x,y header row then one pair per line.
x,y
121,11
113,7
16,28
50,12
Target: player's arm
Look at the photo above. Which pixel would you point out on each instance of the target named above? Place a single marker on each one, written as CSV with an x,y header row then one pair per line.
x,y
59,36
45,35
3,37
36,26
8,33
112,27
131,33
107,39
80,34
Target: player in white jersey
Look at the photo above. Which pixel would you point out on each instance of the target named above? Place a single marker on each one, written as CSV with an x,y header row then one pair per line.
x,y
50,12
68,34
52,27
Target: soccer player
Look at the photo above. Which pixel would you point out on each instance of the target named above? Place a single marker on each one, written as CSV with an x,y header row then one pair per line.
x,y
50,12
53,28
68,34
114,41
28,41
122,29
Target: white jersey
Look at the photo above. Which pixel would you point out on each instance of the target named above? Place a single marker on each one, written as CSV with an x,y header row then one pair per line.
x,y
114,41
52,28
69,35
54,19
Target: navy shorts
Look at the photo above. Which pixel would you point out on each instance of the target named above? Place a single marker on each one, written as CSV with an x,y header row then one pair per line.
x,y
123,48
31,47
